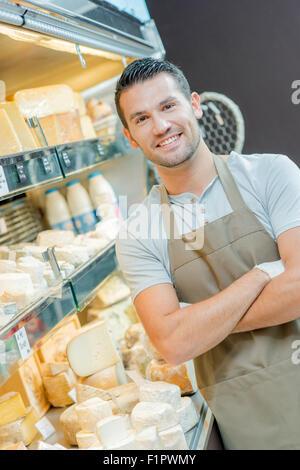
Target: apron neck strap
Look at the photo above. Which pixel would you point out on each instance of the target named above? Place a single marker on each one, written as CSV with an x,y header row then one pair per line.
x,y
168,215
229,185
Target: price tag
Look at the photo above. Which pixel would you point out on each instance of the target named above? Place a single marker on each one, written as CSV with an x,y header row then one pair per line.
x,y
72,395
23,343
3,183
45,428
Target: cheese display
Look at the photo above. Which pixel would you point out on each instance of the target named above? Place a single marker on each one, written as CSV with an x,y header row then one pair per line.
x,y
11,407
80,104
182,375
160,392
86,439
28,382
58,238
58,387
84,392
187,414
92,411
173,438
69,128
87,128
161,415
103,379
111,430
51,369
41,445
112,291
69,423
133,334
16,287
74,254
136,358
92,350
148,439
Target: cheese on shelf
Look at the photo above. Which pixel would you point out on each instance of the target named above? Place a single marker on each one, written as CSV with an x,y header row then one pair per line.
x,y
11,407
182,375
45,101
69,129
17,446
70,424
50,129
103,379
160,392
125,397
87,439
92,350
92,411
112,291
136,358
59,238
20,127
161,415
148,439
87,128
58,388
173,438
54,347
80,103
40,445
74,254
111,430
127,444
28,382
133,334
187,414
84,392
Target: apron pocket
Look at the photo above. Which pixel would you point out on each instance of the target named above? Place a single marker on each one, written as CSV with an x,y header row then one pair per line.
x,y
259,410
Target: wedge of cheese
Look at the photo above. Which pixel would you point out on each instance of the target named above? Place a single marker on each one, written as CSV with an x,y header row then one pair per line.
x,y
9,140
11,407
87,128
125,397
19,125
28,382
92,350
92,411
69,423
80,103
111,430
58,388
161,415
22,429
161,392
51,369
182,375
173,438
87,439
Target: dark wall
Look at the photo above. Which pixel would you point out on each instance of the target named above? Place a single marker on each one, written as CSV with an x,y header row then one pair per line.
x,y
247,49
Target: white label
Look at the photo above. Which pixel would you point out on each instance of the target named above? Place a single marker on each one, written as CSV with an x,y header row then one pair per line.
x,y
23,343
3,227
45,428
3,183
72,395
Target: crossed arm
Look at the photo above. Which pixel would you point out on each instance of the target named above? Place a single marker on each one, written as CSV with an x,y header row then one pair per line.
x,y
253,301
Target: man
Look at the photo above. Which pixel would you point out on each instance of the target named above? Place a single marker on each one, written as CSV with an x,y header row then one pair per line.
x,y
215,292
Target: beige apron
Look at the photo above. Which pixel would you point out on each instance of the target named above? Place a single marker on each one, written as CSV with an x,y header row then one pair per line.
x,y
248,380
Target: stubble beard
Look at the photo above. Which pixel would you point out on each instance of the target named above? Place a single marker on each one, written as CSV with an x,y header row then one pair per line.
x,y
187,155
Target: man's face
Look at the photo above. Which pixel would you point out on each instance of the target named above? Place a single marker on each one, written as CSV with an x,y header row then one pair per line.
x,y
161,120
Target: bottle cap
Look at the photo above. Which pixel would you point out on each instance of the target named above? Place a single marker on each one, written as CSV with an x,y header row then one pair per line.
x,y
72,182
96,173
51,190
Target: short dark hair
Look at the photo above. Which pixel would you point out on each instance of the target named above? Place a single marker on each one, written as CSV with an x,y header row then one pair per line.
x,y
144,69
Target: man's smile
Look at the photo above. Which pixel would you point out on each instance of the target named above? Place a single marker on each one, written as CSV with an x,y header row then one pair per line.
x,y
169,141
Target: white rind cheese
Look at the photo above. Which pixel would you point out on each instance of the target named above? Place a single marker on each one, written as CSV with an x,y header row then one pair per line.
x,y
161,415
50,238
127,444
72,254
92,350
161,392
92,411
87,439
149,439
173,438
187,414
112,430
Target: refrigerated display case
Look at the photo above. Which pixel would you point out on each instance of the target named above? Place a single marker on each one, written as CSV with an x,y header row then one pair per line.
x,y
86,45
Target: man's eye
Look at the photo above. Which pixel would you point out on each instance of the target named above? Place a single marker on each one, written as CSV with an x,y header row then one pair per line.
x,y
141,119
169,106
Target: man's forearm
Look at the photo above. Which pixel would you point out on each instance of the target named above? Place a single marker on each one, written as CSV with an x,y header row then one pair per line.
x,y
197,328
278,303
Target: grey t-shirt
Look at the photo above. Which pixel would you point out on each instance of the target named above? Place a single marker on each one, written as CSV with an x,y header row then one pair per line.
x,y
268,183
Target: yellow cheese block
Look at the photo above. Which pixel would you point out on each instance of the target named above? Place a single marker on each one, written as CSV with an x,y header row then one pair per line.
x,y
28,382
105,379
54,347
11,407
58,387
51,369
45,101
22,130
9,141
69,129
22,429
50,129
87,127
182,375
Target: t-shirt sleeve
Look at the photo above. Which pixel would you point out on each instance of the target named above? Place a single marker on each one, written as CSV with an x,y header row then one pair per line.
x,y
282,192
139,265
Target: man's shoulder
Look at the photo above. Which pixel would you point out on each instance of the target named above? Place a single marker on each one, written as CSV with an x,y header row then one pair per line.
x,y
259,165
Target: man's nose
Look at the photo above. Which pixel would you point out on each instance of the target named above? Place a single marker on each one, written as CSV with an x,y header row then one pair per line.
x,y
160,125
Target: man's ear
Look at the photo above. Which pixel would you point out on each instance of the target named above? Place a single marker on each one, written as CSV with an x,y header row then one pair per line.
x,y
128,136
195,101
